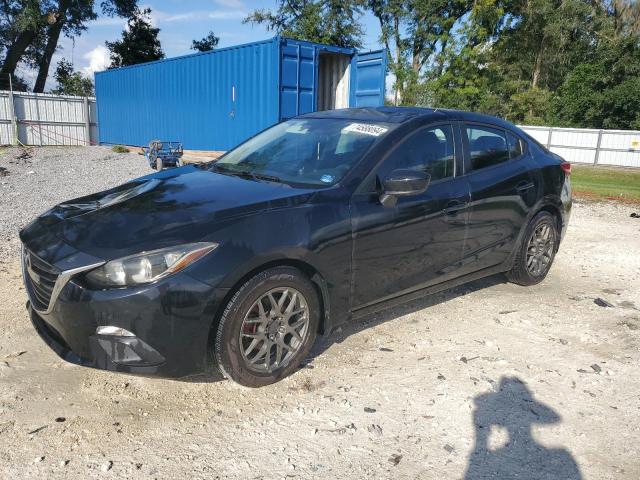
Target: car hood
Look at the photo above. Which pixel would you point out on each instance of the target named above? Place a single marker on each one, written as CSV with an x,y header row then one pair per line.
x,y
163,209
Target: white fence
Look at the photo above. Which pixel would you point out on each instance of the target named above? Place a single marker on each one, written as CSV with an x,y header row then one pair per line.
x,y
597,147
46,119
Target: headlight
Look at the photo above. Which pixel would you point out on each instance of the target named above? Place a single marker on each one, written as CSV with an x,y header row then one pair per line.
x,y
148,267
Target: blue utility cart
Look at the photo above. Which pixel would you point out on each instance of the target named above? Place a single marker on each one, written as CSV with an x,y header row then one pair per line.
x,y
163,154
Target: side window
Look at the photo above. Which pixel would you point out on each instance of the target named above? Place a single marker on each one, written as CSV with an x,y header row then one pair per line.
x,y
488,146
515,145
428,149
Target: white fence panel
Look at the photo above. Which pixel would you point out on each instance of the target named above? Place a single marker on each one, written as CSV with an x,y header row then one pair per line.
x,y
47,119
581,145
541,134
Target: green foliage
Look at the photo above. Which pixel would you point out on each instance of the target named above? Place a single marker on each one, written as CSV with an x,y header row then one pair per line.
x,y
416,33
71,82
331,22
139,42
30,30
206,44
120,149
604,93
567,63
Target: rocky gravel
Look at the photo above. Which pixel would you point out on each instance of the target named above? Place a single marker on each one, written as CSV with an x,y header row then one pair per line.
x,y
36,179
486,381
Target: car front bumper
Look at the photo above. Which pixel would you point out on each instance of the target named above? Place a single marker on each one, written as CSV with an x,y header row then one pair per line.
x,y
170,322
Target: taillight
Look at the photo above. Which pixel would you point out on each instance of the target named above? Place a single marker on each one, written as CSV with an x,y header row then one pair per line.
x,y
566,167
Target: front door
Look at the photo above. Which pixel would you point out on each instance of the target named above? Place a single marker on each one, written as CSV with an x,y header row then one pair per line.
x,y
419,241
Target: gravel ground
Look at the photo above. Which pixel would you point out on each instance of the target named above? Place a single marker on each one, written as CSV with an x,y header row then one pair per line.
x,y
51,175
486,381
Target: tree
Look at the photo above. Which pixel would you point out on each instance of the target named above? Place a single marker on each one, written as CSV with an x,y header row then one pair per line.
x,y
567,62
139,42
71,82
604,93
30,29
206,44
331,22
415,33
69,16
24,22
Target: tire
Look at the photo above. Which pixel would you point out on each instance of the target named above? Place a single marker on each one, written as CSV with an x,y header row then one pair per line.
x,y
244,327
159,164
530,271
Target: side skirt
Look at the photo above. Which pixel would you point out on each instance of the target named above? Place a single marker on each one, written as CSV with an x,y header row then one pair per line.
x,y
413,295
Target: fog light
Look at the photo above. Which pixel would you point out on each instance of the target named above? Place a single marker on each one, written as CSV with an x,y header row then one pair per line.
x,y
114,331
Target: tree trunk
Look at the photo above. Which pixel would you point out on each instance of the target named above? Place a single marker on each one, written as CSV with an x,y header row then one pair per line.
x,y
53,35
398,60
16,51
45,62
441,60
538,66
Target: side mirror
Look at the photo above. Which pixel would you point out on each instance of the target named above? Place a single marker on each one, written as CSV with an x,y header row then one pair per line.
x,y
403,183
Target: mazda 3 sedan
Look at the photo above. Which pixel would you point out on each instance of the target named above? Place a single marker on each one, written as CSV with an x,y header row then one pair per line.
x,y
240,263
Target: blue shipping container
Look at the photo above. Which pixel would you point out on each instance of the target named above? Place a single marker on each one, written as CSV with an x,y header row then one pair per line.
x,y
217,99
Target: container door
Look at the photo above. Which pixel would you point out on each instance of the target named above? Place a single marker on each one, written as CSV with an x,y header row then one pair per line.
x,y
368,78
297,79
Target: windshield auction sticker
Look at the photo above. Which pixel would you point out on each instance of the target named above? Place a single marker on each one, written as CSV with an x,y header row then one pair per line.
x,y
373,130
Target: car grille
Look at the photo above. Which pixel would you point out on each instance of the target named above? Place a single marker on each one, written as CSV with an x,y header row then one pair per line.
x,y
40,279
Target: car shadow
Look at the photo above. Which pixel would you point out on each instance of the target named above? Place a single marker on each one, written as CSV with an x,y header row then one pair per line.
x,y
512,409
352,327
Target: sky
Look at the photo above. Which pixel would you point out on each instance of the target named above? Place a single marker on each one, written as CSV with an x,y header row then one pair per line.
x,y
180,22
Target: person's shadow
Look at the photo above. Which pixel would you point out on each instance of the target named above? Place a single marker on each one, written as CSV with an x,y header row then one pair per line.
x,y
513,409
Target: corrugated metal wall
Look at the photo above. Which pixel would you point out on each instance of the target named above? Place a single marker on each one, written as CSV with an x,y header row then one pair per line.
x,y
582,145
46,119
333,81
208,101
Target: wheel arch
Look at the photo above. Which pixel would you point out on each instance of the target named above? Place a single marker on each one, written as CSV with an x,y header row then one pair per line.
x,y
306,268
553,210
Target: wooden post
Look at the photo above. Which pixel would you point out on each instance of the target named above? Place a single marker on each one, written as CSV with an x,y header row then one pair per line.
x,y
549,138
87,121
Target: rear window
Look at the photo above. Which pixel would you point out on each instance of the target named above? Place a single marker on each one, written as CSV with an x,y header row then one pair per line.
x,y
488,146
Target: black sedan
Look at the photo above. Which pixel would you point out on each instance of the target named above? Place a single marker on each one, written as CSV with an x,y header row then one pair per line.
x,y
242,262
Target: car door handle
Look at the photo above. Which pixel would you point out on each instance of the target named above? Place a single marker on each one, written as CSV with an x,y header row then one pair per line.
x,y
522,187
453,208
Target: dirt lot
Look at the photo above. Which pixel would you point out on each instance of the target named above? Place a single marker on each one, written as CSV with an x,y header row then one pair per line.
x,y
490,380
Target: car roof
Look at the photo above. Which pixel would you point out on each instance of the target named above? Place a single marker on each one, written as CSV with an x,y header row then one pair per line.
x,y
405,114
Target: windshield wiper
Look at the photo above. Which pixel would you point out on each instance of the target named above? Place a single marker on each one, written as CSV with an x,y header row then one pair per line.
x,y
248,174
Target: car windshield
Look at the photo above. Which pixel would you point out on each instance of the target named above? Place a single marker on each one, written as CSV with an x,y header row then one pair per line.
x,y
309,151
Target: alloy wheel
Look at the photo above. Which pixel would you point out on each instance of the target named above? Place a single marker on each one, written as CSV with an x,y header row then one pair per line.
x,y
540,249
274,329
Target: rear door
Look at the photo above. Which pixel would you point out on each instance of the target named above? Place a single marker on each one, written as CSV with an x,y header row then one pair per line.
x,y
504,185
297,79
368,73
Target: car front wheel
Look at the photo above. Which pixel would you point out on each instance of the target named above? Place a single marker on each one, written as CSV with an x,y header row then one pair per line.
x,y
268,327
537,251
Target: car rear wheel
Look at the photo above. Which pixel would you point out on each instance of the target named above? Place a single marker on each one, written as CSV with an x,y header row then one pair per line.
x,y
537,251
268,327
